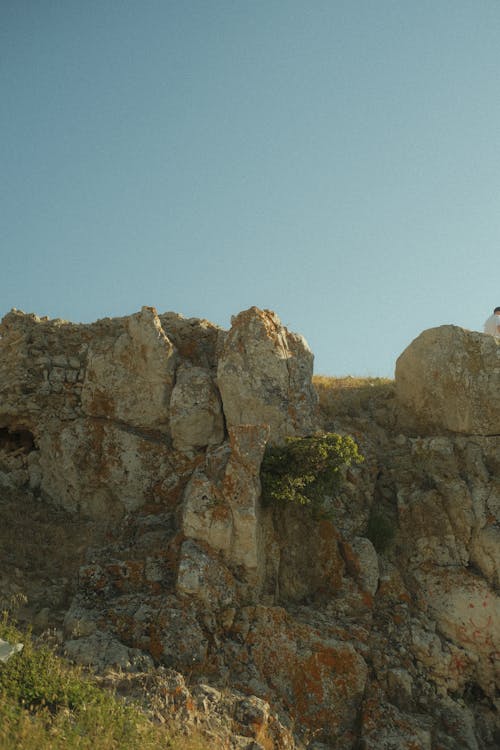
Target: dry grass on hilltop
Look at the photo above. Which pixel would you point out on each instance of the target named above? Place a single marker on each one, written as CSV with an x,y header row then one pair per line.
x,y
351,396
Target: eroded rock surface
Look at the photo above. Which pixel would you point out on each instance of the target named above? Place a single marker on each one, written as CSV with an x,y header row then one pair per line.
x,y
448,379
130,372
196,417
130,455
264,375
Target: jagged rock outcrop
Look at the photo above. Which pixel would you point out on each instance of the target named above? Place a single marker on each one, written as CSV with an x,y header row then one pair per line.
x,y
114,405
129,373
448,379
130,456
264,375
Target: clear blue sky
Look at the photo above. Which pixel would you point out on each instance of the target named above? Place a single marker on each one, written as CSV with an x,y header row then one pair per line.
x,y
338,162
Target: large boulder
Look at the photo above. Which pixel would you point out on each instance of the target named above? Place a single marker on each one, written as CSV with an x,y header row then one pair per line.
x,y
265,375
448,379
130,372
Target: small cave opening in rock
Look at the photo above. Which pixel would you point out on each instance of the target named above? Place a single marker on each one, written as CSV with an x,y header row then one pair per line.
x,y
16,440
473,693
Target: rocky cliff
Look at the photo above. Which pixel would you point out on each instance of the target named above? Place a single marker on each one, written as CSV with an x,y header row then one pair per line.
x,y
132,522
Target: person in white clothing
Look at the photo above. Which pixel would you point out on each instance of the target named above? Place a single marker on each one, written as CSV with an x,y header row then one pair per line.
x,y
492,325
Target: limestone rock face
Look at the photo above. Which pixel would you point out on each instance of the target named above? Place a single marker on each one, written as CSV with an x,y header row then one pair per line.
x,y
221,505
42,368
310,562
368,575
101,651
324,678
196,339
241,488
203,576
264,376
467,612
130,373
448,503
99,469
206,517
131,516
195,410
448,379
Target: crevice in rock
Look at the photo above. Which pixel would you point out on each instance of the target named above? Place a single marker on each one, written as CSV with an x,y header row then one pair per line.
x,y
16,441
152,436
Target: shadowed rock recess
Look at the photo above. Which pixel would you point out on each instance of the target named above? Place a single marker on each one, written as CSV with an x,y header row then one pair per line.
x,y
130,494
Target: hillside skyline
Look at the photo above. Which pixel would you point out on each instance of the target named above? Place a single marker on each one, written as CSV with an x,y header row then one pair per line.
x,y
338,163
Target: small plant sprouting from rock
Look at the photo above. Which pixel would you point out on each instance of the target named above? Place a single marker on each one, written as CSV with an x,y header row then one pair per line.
x,y
306,470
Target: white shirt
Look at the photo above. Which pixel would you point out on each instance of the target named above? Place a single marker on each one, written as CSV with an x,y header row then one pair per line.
x,y
491,325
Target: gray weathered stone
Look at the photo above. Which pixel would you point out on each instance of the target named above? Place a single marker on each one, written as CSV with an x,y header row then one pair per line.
x,y
204,577
7,650
368,562
264,376
224,512
130,373
101,651
195,409
102,470
448,379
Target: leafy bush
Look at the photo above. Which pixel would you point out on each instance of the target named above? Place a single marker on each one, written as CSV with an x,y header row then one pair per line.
x,y
306,470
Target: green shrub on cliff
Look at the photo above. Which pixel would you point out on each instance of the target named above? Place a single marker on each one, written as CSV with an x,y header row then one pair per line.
x,y
306,470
